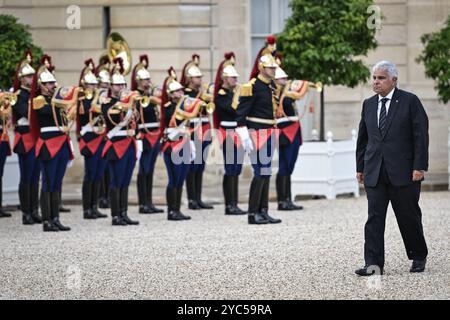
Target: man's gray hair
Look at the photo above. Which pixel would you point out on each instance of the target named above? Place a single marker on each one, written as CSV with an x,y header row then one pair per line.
x,y
387,66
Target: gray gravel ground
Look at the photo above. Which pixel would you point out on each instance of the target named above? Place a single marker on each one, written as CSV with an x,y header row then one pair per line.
x,y
311,255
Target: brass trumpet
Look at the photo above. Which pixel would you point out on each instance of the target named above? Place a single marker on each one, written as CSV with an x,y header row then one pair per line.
x,y
65,98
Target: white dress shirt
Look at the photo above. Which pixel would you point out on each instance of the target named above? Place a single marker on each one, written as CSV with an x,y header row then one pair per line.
x,y
388,103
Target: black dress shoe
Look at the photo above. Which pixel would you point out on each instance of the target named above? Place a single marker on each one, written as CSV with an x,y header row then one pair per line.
x,y
193,205
182,215
418,265
27,219
369,270
265,214
36,217
154,209
144,209
4,214
293,206
257,218
204,205
284,206
89,215
174,216
47,226
97,213
58,224
118,221
128,220
63,209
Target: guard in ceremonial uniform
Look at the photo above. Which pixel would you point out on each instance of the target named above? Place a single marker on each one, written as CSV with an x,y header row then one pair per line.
x,y
7,99
24,144
177,147
51,110
191,79
90,132
120,150
148,132
290,138
104,82
226,98
256,113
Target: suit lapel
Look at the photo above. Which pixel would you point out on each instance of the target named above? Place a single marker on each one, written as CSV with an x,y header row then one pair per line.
x,y
393,107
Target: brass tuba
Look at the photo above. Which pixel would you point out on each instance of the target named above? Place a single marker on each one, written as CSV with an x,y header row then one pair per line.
x,y
66,99
116,46
7,100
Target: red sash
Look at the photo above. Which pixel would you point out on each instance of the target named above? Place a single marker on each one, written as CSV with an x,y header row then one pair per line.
x,y
27,140
152,137
119,146
174,145
291,130
91,145
261,136
230,133
53,145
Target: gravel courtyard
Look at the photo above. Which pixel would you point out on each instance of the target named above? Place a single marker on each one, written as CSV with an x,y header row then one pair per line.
x,y
311,255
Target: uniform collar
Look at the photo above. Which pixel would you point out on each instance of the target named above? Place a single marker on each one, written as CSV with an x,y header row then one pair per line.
x,y
264,79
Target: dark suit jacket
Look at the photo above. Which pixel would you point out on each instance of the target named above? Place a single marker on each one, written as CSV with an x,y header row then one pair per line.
x,y
404,146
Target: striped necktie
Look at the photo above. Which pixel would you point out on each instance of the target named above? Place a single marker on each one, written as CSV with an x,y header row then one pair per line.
x,y
382,120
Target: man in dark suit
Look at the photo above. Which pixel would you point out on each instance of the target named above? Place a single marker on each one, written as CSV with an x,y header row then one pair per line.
x,y
391,157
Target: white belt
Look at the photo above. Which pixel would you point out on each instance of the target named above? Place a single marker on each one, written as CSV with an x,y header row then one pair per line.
x,y
196,120
286,119
120,133
261,120
149,125
51,129
228,123
88,128
23,122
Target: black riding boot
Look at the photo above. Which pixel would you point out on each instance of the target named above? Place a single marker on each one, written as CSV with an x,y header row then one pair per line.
x,y
292,205
152,207
114,196
25,207
104,198
86,197
264,209
171,198
254,200
235,195
179,193
142,194
283,205
46,209
191,192
94,200
61,208
198,191
124,207
3,213
34,198
56,206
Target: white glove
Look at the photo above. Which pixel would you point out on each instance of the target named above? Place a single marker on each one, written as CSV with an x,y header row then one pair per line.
x,y
69,164
139,149
192,145
246,141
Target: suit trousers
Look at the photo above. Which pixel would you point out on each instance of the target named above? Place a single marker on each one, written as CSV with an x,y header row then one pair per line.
x,y
405,203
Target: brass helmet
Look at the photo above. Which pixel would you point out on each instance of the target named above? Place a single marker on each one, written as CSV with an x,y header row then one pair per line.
x,y
140,72
102,70
228,69
117,72
171,84
191,69
280,73
24,68
87,75
268,51
45,71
